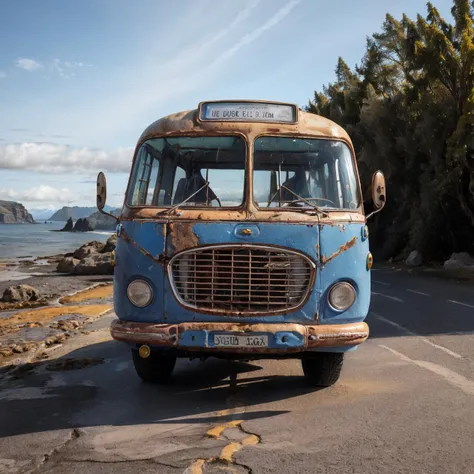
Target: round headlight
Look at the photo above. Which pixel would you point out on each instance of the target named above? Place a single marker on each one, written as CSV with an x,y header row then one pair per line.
x,y
341,296
139,293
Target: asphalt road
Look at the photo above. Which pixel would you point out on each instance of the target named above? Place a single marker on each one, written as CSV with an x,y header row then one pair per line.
x,y
404,403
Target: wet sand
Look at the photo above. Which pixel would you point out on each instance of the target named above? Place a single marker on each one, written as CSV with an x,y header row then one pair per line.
x,y
68,305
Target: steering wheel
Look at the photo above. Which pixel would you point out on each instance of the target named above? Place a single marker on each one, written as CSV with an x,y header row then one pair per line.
x,y
302,201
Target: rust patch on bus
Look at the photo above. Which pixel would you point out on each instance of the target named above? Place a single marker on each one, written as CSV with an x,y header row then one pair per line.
x,y
341,250
161,259
181,236
167,335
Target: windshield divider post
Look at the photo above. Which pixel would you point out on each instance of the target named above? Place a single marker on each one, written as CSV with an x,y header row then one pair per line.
x,y
279,184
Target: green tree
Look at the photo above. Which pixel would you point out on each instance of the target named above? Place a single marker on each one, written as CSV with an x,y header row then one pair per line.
x,y
409,108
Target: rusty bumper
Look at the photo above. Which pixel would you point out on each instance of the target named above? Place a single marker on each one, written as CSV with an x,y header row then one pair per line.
x,y
283,338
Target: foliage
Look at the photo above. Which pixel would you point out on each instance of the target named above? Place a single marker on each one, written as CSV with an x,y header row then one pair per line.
x,y
409,108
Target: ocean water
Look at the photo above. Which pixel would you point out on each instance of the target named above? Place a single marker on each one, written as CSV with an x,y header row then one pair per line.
x,y
36,240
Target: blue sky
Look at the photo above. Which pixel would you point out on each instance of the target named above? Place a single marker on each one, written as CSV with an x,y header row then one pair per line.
x,y
79,81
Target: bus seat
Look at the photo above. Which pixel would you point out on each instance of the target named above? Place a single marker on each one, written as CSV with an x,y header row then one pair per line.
x,y
193,184
179,195
298,185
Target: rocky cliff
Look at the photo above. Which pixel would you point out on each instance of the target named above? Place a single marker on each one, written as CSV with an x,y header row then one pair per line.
x,y
14,213
75,212
101,222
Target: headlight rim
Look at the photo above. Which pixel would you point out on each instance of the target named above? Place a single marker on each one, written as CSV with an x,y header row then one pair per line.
x,y
334,287
150,288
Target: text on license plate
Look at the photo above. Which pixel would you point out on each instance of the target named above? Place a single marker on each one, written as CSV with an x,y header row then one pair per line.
x,y
225,340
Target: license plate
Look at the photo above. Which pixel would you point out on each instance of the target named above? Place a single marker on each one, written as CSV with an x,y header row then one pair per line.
x,y
225,340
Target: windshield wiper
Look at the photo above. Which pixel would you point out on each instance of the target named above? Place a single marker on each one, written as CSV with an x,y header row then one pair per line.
x,y
171,209
300,198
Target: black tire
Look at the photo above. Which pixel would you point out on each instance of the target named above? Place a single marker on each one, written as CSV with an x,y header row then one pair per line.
x,y
156,369
322,369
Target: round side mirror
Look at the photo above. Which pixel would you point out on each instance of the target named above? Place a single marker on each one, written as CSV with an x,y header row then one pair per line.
x,y
379,194
101,191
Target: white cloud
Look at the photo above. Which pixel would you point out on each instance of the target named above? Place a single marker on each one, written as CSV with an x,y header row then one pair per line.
x,y
42,193
66,68
28,64
54,158
3,75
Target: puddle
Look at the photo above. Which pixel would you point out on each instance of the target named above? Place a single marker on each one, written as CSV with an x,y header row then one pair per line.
x,y
7,274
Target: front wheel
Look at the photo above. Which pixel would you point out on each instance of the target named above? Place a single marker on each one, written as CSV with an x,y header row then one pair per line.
x,y
156,368
322,369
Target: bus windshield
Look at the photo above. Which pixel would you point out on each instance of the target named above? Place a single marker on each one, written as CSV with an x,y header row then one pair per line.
x,y
303,172
195,171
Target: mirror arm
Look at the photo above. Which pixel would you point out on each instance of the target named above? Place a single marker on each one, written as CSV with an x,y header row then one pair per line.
x,y
108,214
372,213
382,198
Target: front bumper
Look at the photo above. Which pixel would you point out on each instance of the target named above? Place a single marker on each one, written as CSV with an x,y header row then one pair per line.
x,y
283,338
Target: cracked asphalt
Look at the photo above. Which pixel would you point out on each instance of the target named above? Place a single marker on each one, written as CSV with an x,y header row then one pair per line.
x,y
403,403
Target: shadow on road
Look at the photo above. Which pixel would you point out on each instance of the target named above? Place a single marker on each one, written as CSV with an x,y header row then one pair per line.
x,y
108,392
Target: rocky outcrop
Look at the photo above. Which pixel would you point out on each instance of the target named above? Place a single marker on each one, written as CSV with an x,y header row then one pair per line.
x,y
69,226
20,294
93,258
14,213
67,264
88,249
96,264
82,225
110,244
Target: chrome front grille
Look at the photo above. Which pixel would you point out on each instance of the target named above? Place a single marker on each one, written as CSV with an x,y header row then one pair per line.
x,y
241,279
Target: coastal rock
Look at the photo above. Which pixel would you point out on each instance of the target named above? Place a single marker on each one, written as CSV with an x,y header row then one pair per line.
x,y
110,245
67,264
69,226
20,293
95,264
14,213
88,249
92,258
82,225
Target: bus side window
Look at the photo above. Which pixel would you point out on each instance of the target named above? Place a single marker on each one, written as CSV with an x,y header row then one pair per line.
x,y
152,181
143,178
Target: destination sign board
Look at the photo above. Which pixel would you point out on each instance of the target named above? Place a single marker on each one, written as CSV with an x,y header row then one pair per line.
x,y
248,112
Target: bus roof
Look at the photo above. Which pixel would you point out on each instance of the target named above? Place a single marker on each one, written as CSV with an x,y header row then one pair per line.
x,y
188,122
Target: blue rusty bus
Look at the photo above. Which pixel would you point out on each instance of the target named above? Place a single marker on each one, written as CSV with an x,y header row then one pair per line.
x,y
243,236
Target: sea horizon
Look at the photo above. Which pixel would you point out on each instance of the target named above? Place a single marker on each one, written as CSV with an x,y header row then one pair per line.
x,y
21,241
